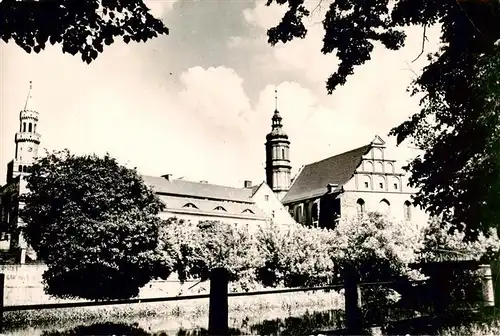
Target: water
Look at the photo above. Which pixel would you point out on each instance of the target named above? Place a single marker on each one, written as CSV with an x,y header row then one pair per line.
x,y
308,323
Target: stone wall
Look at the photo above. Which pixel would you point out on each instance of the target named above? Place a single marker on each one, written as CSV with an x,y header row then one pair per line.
x,y
23,285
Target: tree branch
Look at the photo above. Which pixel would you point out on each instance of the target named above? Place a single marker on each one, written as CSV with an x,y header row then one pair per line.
x,y
424,37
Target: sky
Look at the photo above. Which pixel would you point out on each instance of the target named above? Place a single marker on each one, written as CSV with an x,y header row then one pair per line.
x,y
197,103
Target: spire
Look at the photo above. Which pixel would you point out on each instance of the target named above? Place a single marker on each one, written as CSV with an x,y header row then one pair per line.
x,y
28,105
275,99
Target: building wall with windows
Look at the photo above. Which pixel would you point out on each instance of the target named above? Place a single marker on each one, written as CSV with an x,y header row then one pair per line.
x,y
364,179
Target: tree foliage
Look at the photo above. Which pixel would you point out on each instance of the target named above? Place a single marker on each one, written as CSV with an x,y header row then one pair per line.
x,y
80,26
196,249
458,122
94,223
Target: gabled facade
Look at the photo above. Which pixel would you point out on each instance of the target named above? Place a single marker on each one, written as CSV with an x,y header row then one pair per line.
x,y
360,180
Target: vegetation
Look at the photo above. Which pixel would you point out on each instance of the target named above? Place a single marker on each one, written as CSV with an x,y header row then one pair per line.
x,y
94,223
80,27
459,90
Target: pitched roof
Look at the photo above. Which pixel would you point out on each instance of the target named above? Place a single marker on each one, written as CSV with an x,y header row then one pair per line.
x,y
198,189
313,179
211,207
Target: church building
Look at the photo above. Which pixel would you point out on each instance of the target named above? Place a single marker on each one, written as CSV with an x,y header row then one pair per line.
x,y
364,179
27,141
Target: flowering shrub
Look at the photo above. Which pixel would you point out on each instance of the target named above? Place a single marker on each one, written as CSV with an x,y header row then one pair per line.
x,y
198,248
296,256
440,244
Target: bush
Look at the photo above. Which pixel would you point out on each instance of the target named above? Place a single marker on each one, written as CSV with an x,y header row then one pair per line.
x,y
196,249
94,223
297,256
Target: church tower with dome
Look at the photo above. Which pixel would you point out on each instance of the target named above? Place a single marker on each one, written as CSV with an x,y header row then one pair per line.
x,y
278,168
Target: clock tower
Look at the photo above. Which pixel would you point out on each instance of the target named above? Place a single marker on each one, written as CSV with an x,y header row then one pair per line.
x,y
27,139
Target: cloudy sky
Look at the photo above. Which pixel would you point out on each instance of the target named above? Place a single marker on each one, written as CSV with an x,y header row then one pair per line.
x,y
198,102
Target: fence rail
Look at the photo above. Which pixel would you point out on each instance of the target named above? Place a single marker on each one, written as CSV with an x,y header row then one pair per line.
x,y
218,298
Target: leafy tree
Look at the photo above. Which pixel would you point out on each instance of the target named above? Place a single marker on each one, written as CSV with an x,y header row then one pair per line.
x,y
458,122
94,223
196,249
297,256
80,26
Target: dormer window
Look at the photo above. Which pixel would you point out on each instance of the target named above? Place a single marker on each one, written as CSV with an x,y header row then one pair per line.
x,y
190,205
219,208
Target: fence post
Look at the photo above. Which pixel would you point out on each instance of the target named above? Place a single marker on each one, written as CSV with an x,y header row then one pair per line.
x,y
218,312
487,285
352,293
2,286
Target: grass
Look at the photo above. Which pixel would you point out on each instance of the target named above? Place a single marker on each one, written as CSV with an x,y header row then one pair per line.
x,y
171,316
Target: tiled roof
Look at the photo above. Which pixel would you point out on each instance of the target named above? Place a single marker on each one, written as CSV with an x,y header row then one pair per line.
x,y
203,206
198,189
313,179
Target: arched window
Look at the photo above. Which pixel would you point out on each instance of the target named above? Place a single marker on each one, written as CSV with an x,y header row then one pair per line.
x,y
365,182
190,205
30,127
379,167
248,211
20,168
360,205
407,209
395,183
34,128
380,183
25,169
377,153
219,208
24,127
283,153
384,206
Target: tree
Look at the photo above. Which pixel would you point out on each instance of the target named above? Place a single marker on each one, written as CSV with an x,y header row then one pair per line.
x,y
94,223
196,249
80,26
457,125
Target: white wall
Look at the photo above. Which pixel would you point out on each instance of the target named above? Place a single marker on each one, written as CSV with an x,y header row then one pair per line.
x,y
272,204
253,224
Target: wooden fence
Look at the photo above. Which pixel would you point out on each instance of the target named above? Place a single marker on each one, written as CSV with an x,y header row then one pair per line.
x,y
218,299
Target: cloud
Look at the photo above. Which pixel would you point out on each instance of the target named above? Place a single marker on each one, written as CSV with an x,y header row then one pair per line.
x,y
160,7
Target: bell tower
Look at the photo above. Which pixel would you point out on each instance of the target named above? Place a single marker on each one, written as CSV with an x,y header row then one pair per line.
x,y
278,168
27,139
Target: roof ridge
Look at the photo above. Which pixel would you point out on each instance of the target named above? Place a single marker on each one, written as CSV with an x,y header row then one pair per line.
x,y
331,157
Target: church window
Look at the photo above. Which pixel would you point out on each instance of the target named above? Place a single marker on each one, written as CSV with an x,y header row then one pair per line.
x,y
248,211
20,168
24,169
219,208
407,208
24,127
360,205
366,181
190,205
30,127
384,206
